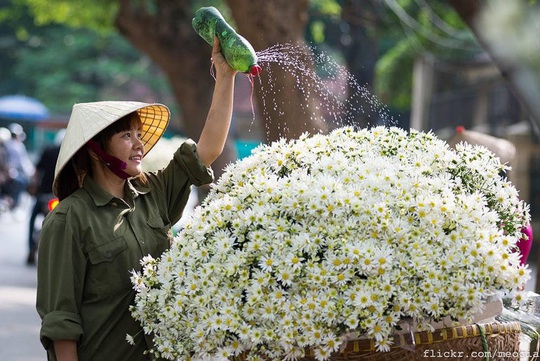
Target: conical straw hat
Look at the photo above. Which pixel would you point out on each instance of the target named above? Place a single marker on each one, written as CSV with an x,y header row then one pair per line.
x,y
502,148
88,119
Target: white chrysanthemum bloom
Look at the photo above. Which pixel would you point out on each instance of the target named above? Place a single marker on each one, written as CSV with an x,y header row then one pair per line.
x,y
309,240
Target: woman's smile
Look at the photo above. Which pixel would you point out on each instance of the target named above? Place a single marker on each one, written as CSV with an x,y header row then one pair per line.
x,y
128,147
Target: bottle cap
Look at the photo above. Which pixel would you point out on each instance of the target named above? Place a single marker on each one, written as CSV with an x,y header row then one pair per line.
x,y
255,70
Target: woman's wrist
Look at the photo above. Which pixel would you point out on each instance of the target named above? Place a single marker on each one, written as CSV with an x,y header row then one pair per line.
x,y
226,75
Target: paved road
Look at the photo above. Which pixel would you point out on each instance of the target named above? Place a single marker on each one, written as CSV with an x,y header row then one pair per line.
x,y
19,322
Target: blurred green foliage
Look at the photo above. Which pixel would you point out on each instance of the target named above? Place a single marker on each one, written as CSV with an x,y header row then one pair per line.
x,y
96,14
63,51
61,65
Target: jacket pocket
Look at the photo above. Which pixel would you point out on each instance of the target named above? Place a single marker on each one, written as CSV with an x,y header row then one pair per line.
x,y
108,270
108,251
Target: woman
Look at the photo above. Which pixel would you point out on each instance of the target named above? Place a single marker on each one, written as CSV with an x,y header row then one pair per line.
x,y
111,215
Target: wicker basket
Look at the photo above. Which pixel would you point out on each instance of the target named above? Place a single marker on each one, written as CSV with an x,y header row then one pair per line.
x,y
497,340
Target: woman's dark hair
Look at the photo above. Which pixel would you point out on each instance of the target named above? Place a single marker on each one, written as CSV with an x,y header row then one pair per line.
x,y
121,125
80,165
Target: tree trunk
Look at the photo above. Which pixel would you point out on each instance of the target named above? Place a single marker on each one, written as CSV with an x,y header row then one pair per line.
x,y
361,55
287,111
165,34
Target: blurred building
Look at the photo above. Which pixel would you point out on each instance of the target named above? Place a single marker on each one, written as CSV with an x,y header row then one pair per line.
x,y
474,94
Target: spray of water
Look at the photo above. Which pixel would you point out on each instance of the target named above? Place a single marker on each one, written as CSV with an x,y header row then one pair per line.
x,y
337,99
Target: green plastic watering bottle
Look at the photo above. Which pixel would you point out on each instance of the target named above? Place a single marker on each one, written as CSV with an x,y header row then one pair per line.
x,y
237,51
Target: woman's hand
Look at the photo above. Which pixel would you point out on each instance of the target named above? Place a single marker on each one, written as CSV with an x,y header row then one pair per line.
x,y
221,65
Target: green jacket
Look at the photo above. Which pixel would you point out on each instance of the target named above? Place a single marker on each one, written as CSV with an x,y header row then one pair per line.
x,y
89,244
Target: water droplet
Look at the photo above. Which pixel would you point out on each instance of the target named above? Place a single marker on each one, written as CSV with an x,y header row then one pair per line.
x,y
337,98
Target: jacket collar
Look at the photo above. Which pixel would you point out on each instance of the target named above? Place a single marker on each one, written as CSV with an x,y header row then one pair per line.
x,y
101,197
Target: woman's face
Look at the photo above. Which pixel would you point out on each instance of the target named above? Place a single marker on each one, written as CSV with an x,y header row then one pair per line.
x,y
127,146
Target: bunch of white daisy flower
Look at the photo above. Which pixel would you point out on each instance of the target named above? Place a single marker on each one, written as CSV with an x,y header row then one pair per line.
x,y
308,240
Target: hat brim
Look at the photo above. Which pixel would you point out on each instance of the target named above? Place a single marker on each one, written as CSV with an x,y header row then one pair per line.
x,y
88,119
